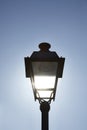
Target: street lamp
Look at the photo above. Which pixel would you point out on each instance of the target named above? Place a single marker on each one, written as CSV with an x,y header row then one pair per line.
x,y
44,67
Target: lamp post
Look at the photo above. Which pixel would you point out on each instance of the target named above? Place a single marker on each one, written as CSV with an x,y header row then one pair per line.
x,y
44,67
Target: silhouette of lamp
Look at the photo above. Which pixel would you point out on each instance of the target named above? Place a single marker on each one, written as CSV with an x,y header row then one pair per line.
x,y
44,67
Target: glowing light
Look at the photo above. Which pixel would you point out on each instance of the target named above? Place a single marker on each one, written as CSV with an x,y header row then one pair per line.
x,y
44,86
44,82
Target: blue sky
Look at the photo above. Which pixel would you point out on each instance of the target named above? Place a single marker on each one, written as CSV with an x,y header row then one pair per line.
x,y
23,25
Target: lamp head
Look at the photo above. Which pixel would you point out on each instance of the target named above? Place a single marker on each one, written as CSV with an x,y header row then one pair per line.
x,y
44,67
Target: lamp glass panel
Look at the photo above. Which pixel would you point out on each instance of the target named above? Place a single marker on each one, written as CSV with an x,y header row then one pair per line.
x,y
45,68
44,94
44,78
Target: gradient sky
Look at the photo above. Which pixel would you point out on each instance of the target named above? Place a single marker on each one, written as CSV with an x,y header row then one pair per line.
x,y
23,25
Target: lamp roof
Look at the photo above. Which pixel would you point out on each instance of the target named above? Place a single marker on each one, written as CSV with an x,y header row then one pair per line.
x,y
44,54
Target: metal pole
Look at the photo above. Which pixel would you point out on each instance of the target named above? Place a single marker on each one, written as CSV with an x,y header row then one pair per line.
x,y
45,107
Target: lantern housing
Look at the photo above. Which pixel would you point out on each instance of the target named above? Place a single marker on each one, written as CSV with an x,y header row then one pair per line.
x,y
44,67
